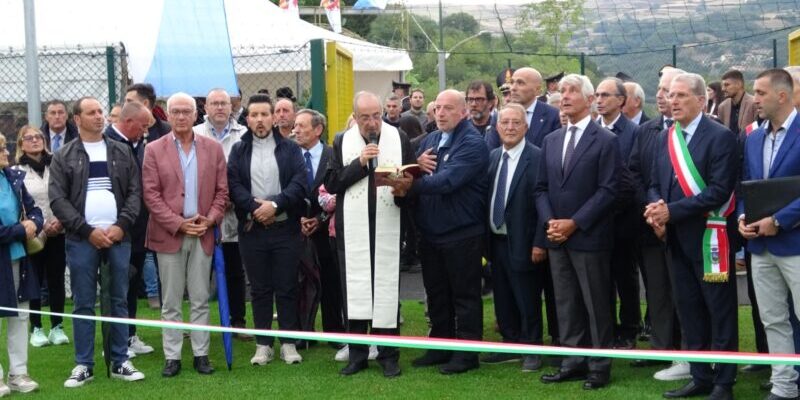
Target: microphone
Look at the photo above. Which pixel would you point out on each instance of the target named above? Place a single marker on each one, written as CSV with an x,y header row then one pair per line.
x,y
373,162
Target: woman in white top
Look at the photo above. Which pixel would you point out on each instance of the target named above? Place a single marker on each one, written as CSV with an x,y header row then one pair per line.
x,y
50,263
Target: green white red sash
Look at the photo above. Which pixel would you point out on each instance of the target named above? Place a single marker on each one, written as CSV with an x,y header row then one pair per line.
x,y
716,250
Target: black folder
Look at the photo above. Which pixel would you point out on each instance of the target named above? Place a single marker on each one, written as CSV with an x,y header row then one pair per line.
x,y
765,197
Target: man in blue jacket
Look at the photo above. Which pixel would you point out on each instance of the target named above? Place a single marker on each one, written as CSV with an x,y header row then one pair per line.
x,y
451,217
774,241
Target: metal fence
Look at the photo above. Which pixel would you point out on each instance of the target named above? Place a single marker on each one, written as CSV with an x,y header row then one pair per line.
x,y
271,68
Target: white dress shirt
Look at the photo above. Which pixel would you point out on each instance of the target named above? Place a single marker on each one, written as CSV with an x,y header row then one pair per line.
x,y
513,159
581,125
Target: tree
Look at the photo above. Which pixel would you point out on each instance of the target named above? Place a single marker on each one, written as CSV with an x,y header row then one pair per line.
x,y
461,21
554,18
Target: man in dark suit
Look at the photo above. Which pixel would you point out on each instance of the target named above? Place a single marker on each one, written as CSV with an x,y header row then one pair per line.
x,y
681,199
516,238
634,103
308,127
774,241
665,334
575,196
133,121
145,93
611,96
57,128
540,117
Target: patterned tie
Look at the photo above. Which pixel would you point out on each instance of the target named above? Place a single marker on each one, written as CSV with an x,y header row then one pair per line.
x,y
309,170
499,208
570,147
669,122
56,142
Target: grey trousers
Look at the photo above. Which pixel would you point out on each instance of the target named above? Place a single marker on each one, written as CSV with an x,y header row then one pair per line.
x,y
774,278
17,339
188,269
581,283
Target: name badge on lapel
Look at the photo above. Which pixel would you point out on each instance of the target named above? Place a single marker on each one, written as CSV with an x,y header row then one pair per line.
x,y
446,156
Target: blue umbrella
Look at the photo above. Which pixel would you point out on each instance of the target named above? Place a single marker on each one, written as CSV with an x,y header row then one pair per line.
x,y
222,298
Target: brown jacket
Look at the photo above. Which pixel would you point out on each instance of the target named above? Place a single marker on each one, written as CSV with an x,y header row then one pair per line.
x,y
747,112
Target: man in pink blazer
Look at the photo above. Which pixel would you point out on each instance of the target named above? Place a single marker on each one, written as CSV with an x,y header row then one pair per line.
x,y
185,186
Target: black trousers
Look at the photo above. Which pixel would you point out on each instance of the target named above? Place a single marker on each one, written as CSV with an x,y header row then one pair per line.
x,y
707,311
451,273
234,277
135,285
658,288
517,296
50,265
758,326
582,281
625,277
331,301
408,237
271,256
360,352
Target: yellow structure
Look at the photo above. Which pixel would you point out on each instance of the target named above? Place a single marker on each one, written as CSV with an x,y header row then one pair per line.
x,y
338,87
794,48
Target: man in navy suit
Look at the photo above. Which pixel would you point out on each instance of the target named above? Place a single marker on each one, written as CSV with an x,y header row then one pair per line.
x,y
706,304
516,238
540,117
611,96
774,241
575,196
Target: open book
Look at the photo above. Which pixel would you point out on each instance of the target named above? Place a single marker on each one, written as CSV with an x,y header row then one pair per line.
x,y
392,172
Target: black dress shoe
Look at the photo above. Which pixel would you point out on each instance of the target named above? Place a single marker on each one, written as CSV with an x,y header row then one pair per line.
x,y
353,368
564,375
691,389
456,366
750,368
171,368
595,380
431,357
721,393
531,363
648,363
202,365
765,386
499,358
391,369
624,343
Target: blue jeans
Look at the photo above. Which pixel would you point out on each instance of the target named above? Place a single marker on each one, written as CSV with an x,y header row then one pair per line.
x,y
150,275
84,263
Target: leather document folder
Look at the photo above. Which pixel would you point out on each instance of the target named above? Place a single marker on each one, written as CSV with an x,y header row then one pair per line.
x,y
764,197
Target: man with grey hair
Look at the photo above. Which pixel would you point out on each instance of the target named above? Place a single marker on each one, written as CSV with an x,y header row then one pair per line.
x,y
368,243
220,125
284,116
575,196
185,186
690,202
633,108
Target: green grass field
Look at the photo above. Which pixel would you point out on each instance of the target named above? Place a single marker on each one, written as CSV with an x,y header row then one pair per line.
x,y
317,376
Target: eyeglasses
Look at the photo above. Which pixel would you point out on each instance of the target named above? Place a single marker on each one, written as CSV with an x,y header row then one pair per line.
x,y
181,111
475,99
511,123
219,104
32,138
367,117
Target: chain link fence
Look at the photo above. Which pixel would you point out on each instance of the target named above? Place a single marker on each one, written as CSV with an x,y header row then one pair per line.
x,y
65,74
271,68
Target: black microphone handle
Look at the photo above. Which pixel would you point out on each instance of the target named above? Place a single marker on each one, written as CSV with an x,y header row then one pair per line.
x,y
373,162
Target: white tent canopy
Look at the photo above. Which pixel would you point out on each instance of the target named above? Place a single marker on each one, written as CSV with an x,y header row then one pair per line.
x,y
255,27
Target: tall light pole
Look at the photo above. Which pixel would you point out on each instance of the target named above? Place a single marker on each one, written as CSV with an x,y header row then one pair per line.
x,y
32,66
444,54
442,57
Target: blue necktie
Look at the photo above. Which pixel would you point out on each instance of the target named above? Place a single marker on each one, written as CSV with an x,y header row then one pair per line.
x,y
573,130
56,142
499,208
309,170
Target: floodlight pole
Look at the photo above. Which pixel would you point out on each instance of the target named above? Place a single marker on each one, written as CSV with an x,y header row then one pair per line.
x,y
31,67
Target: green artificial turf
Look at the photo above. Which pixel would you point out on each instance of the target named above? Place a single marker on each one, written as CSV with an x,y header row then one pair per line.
x,y
317,377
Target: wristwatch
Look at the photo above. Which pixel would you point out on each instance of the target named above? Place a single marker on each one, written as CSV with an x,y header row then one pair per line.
x,y
775,222
275,206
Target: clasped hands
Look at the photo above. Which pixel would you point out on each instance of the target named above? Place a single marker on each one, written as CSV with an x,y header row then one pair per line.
x,y
763,227
196,226
265,213
559,230
657,215
104,238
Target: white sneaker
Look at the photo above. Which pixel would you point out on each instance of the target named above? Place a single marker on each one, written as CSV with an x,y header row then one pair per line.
x,y
137,346
343,355
57,336
80,375
127,372
22,383
38,338
678,371
131,354
263,356
4,390
289,354
373,352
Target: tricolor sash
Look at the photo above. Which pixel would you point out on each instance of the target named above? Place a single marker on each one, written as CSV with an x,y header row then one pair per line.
x,y
716,249
750,128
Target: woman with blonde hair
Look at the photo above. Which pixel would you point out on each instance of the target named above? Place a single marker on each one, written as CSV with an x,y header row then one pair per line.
x,y
50,263
20,220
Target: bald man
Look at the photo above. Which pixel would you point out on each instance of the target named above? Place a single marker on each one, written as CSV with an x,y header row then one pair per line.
x,y
541,118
